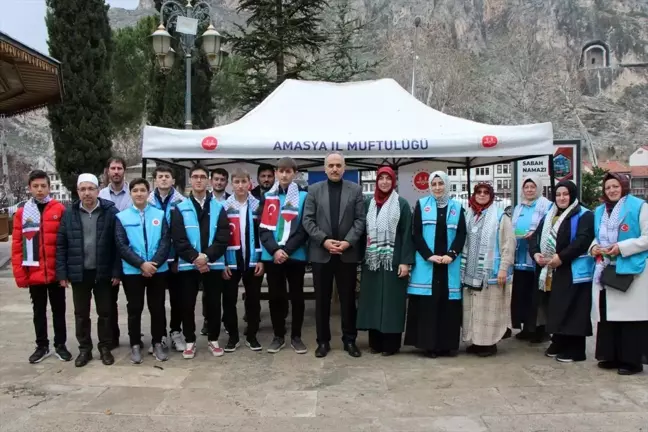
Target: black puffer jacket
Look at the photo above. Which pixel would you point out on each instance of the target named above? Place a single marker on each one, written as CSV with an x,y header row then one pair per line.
x,y
69,244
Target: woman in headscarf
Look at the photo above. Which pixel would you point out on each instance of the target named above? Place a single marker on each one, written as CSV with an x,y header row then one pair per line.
x,y
621,229
565,272
526,217
386,267
439,233
486,273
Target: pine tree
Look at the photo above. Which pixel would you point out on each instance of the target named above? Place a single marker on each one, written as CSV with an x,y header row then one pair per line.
x,y
339,60
591,188
278,42
80,125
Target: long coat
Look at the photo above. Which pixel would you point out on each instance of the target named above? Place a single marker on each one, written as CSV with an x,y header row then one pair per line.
x,y
631,305
569,304
383,295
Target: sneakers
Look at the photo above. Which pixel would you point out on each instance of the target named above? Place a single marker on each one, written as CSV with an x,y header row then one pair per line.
x,y
39,355
552,351
299,346
160,352
189,351
215,349
231,346
164,344
277,344
62,353
136,354
178,342
253,344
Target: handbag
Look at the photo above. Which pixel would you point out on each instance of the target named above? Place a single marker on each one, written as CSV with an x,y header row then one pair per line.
x,y
610,278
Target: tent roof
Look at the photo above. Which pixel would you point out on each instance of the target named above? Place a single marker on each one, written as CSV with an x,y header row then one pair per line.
x,y
370,122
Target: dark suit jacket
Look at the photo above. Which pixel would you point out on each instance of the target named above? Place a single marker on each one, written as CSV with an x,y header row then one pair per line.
x,y
317,220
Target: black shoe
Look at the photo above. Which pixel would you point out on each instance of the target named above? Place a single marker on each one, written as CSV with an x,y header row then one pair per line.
x,y
388,353
106,356
204,330
608,364
507,334
322,350
472,349
41,353
352,349
83,358
627,369
62,353
552,351
430,354
374,351
231,345
524,335
253,344
487,351
447,353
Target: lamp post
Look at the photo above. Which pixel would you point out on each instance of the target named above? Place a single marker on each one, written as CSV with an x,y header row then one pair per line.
x,y
417,24
186,20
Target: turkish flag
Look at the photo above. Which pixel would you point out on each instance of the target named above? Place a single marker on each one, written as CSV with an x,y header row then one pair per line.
x,y
270,215
235,232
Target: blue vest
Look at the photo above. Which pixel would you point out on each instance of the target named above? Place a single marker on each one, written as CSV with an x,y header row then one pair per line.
x,y
629,229
192,228
583,266
300,253
230,254
170,207
497,260
144,247
524,261
422,273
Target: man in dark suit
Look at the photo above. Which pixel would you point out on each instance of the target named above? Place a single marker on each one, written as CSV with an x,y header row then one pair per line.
x,y
334,218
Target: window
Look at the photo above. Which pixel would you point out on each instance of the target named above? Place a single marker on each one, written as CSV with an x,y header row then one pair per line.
x,y
506,168
483,171
452,171
499,182
499,169
463,187
454,187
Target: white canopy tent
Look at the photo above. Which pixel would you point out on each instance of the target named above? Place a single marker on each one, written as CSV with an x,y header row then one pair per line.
x,y
371,122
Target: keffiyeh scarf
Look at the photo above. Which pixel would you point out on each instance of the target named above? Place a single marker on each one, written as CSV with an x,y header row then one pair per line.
x,y
175,197
233,204
608,235
548,240
381,233
289,210
541,206
31,224
482,237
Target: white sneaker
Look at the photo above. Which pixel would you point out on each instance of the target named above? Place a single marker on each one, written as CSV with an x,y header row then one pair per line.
x,y
215,349
190,351
178,342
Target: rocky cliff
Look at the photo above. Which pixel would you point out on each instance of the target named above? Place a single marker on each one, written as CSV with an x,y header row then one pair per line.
x,y
506,61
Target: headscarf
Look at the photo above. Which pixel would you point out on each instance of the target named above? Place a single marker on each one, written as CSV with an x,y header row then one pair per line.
x,y
573,194
474,205
443,201
379,195
625,189
536,181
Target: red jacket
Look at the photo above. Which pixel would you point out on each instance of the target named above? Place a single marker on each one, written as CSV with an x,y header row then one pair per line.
x,y
46,271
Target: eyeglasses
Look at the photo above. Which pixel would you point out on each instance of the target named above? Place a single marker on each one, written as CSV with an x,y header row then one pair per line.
x,y
482,192
199,177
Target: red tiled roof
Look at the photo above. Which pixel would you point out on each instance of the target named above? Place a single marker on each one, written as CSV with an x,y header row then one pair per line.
x,y
639,171
614,166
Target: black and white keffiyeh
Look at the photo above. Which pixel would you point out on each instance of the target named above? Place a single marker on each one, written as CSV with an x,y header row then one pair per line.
x,y
381,233
608,234
482,237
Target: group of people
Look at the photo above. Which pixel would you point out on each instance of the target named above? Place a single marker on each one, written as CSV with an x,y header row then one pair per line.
x,y
440,273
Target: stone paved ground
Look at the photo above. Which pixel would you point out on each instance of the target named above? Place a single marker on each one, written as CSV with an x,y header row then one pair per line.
x,y
518,390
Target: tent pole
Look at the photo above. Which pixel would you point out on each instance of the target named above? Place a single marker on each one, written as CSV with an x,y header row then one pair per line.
x,y
552,180
143,168
468,175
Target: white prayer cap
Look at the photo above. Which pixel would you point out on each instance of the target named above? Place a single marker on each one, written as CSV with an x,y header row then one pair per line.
x,y
91,178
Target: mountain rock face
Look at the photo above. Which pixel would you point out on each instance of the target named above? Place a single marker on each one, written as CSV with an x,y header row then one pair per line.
x,y
496,61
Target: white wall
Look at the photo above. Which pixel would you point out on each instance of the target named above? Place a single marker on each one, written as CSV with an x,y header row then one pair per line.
x,y
639,157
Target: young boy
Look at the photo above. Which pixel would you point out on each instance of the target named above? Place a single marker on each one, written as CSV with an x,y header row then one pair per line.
x,y
166,198
33,257
283,242
242,261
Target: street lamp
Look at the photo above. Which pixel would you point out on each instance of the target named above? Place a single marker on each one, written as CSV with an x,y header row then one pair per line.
x,y
186,20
